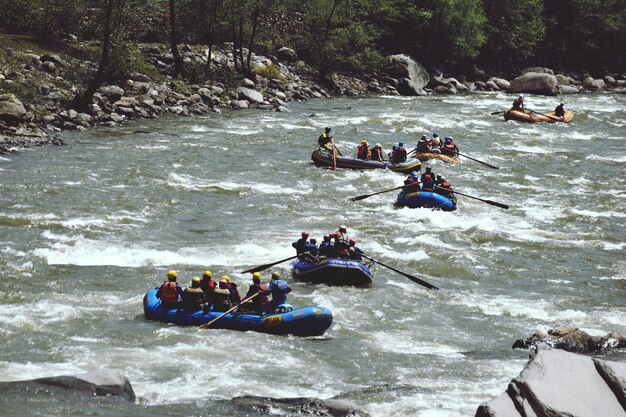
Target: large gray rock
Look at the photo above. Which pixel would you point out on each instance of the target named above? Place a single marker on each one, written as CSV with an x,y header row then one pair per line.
x,y
12,110
403,66
244,93
102,382
535,83
406,87
556,383
568,89
541,70
287,54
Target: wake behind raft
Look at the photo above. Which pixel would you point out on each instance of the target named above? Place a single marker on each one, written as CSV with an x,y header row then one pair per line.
x,y
322,157
306,321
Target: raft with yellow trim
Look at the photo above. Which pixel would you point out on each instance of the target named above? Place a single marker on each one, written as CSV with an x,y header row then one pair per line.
x,y
322,157
535,117
425,156
306,321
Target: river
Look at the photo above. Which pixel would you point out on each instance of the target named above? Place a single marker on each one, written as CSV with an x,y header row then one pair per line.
x,y
87,228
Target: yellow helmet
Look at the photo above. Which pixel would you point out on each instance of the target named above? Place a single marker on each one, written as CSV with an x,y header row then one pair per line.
x,y
256,275
226,278
172,274
364,141
207,274
275,275
195,282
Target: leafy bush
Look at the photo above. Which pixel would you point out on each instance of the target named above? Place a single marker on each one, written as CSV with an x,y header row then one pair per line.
x,y
270,72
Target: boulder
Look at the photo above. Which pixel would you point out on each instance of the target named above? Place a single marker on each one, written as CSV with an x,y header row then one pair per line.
x,y
239,104
594,84
300,406
568,89
113,92
49,66
540,70
248,83
12,110
491,85
500,82
244,93
403,66
564,79
287,54
53,58
406,87
573,339
126,102
535,83
102,382
556,383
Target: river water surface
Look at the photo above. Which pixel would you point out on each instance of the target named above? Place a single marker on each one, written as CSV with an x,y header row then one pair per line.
x,y
86,229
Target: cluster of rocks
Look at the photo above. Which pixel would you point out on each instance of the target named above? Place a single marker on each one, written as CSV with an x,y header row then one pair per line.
x,y
573,339
274,82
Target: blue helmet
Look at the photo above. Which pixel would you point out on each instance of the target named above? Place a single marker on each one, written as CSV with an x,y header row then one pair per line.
x,y
448,139
401,144
435,135
395,147
424,137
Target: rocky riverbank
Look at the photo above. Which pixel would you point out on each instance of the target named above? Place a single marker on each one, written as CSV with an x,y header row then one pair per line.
x,y
38,85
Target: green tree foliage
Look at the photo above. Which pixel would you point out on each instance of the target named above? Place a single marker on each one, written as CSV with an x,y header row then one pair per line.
x,y
587,34
47,18
514,30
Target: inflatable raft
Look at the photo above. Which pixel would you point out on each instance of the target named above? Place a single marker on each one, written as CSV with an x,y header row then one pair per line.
x,y
536,117
321,157
306,321
333,271
426,199
425,156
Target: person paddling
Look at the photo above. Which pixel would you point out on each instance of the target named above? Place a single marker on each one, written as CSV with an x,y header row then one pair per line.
x,y
518,104
559,111
449,148
324,140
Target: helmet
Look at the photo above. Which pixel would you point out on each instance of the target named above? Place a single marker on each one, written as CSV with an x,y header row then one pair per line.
x,y
395,147
435,135
443,179
305,234
313,240
256,275
171,274
439,176
207,274
400,143
378,145
326,238
343,229
428,168
414,173
448,139
424,137
275,275
364,141
222,283
521,97
225,278
195,282
327,129
352,242
562,104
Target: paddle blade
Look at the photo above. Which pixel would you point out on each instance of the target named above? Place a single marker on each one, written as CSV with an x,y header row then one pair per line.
x,y
495,203
265,266
361,197
497,112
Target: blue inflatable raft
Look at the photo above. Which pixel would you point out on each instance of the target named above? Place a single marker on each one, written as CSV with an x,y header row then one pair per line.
x,y
307,321
333,271
427,199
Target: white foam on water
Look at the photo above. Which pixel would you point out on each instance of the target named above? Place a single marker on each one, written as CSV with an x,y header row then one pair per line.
x,y
153,147
410,345
190,182
389,253
606,158
288,126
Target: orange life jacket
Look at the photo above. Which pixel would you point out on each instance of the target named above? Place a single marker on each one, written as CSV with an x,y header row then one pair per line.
x,y
168,292
363,152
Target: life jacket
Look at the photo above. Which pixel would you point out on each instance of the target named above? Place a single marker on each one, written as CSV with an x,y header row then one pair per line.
x,y
193,298
428,181
449,149
311,248
279,289
169,294
400,155
208,285
363,152
221,299
342,248
323,139
518,104
377,154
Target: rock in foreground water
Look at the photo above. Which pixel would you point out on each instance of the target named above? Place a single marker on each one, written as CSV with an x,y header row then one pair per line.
x,y
556,383
301,406
102,382
573,339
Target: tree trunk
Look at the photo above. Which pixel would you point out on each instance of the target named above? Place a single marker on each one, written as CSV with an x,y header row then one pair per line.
x,y
178,61
80,102
324,53
255,21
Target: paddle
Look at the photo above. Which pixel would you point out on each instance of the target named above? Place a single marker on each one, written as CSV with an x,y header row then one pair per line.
x,y
480,162
411,277
493,203
207,325
498,112
265,266
545,115
364,196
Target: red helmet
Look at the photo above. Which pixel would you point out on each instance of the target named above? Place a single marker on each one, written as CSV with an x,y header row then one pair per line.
x,y
326,237
352,242
343,229
305,234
